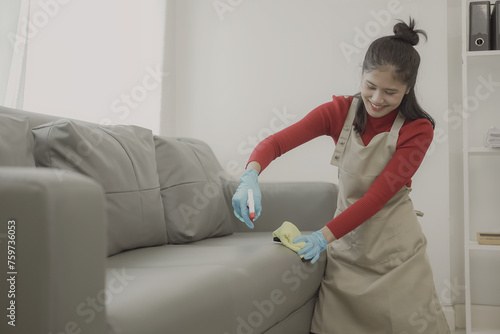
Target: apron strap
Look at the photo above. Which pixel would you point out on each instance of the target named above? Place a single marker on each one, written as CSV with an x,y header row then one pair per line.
x,y
398,123
344,134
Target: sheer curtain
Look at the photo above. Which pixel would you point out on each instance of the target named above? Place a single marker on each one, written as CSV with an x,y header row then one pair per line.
x,y
14,28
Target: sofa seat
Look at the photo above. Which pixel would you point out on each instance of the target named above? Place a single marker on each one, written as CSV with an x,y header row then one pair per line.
x,y
241,283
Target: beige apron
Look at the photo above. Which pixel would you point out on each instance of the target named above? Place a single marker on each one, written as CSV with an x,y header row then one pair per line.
x,y
378,278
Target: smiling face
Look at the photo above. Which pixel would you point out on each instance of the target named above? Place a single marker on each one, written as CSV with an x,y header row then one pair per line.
x,y
381,92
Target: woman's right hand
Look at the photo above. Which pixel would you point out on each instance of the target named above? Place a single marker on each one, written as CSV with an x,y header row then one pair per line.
x,y
249,180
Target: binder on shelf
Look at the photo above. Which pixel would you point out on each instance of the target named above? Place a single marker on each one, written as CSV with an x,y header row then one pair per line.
x,y
495,26
492,138
488,238
479,26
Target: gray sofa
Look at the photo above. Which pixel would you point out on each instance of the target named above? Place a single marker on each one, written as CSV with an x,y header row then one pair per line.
x,y
110,229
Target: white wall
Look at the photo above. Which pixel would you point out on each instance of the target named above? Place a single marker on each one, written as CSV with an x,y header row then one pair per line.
x,y
236,70
99,61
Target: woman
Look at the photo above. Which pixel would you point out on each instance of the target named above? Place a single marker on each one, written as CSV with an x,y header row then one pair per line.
x,y
378,278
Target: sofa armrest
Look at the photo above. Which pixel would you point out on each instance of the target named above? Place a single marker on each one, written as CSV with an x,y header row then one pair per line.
x,y
57,220
308,205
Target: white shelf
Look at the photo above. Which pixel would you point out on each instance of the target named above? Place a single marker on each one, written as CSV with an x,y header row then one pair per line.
x,y
478,331
487,53
473,245
471,60
483,151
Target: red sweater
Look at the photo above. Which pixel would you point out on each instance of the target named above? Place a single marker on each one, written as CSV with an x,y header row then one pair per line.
x,y
328,119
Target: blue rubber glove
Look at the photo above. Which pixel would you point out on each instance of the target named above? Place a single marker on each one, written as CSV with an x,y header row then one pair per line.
x,y
247,181
315,244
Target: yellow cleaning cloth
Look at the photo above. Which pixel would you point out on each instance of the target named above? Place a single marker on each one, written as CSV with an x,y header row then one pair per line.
x,y
286,233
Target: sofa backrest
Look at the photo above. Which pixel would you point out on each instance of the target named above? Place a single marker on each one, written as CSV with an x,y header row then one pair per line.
x,y
35,119
153,185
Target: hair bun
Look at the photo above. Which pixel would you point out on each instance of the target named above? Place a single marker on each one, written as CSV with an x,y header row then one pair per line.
x,y
408,33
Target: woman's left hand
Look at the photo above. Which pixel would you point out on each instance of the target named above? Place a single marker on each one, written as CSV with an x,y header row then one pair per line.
x,y
315,244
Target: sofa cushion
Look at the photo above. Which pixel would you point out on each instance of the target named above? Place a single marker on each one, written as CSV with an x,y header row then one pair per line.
x,y
191,189
122,159
242,283
15,150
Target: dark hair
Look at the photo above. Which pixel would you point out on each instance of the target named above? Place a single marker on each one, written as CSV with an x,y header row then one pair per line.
x,y
398,53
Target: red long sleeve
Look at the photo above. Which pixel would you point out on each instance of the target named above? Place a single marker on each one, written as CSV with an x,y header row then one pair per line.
x,y
327,119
